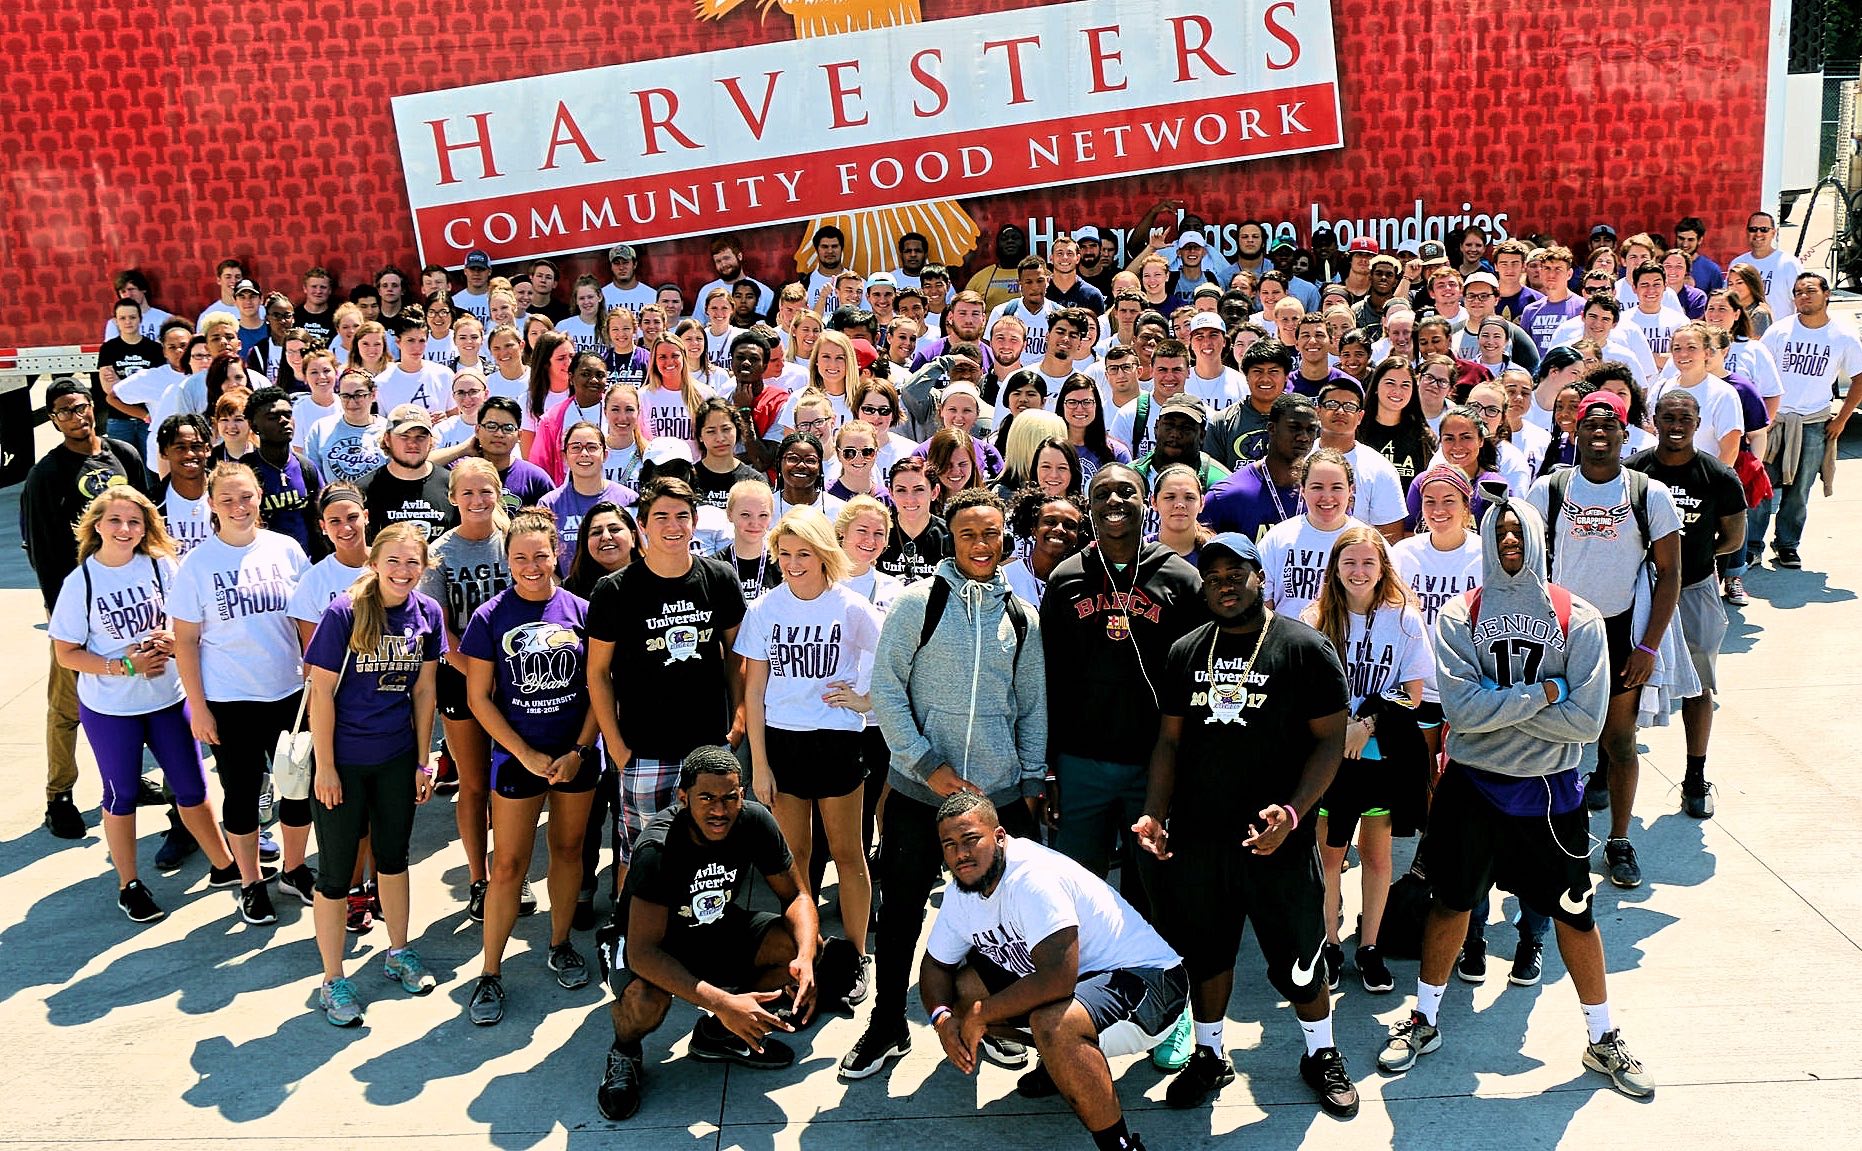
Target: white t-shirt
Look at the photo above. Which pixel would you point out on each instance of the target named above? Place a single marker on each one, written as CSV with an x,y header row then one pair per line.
x,y
1377,494
517,389
1532,441
820,284
1657,329
1293,558
431,387
809,644
1599,552
151,327
718,348
439,350
248,646
667,415
479,304
1753,360
217,308
580,331
826,504
1626,344
1391,651
1435,577
1228,388
1779,271
1042,892
765,297
158,389
636,297
451,432
1120,428
1720,411
1035,350
328,578
125,605
1809,361
305,412
188,521
343,451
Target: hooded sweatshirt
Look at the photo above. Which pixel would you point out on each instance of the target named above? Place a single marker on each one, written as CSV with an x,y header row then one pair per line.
x,y
1492,673
969,698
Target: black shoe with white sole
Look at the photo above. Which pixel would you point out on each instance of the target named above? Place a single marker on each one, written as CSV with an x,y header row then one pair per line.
x,y
138,904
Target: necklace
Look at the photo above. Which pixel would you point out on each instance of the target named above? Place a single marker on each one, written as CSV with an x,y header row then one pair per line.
x,y
1233,697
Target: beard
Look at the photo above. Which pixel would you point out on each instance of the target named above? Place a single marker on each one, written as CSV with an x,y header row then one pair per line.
x,y
990,876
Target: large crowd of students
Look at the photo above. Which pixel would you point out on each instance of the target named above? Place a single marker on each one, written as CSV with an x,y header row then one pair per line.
x,y
1198,567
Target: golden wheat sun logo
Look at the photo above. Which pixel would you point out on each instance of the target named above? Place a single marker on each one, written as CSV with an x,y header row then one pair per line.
x,y
872,236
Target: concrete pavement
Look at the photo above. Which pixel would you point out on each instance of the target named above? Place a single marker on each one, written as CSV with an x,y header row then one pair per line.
x,y
1734,973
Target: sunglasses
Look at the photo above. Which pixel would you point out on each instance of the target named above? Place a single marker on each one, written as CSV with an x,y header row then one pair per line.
x,y
858,453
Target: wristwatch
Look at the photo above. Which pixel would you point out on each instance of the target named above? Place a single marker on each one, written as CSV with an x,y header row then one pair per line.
x,y
586,751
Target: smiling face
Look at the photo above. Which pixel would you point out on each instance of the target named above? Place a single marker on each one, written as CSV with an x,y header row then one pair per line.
x,y
1599,436
955,475
1460,442
1443,508
585,452
1509,542
121,529
531,558
911,493
801,566
1116,502
976,535
187,455
1327,492
1057,529
864,540
1393,392
669,365
800,467
609,542
235,501
1360,566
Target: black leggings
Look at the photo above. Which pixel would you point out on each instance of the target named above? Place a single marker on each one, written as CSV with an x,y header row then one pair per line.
x,y
248,734
603,812
378,801
909,858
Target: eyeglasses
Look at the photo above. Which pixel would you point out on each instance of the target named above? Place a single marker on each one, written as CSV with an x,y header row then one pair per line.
x,y
1438,381
1080,404
498,427
1475,296
1486,411
813,425
1345,407
355,397
875,410
858,453
70,410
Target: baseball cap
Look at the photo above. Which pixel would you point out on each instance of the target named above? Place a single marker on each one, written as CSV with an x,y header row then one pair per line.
x,y
1322,235
1385,260
407,416
1207,321
1191,236
1363,245
865,352
881,280
478,258
1086,233
621,252
1184,404
666,449
1229,544
1487,278
1603,230
1617,405
246,286
1432,252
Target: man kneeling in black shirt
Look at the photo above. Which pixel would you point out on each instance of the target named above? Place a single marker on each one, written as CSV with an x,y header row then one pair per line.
x,y
690,933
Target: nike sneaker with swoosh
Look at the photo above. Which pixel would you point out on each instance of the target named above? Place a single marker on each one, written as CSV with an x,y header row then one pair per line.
x,y
1409,1041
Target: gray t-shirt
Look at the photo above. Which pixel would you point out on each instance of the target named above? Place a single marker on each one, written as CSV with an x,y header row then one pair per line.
x,y
466,573
1599,551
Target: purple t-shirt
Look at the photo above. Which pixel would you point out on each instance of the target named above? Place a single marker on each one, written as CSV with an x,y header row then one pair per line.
x,y
570,507
375,700
1543,316
538,654
1300,385
1534,797
1244,502
1751,404
1413,500
524,484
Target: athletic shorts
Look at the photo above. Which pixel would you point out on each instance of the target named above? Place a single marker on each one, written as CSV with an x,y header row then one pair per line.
x,y
450,690
722,954
1428,714
1703,627
814,764
1622,645
512,780
1542,859
1211,886
1133,1009
647,785
1362,789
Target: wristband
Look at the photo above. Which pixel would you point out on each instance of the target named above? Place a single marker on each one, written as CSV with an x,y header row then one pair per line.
x,y
939,1015
129,669
1646,649
1293,816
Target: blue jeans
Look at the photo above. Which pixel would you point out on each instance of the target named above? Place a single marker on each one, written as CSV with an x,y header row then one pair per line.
x,y
128,429
1793,499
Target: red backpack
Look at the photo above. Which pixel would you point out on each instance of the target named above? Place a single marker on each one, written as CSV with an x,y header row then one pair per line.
x,y
1561,606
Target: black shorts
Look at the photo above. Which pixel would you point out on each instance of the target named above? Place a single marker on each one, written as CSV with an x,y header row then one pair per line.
x,y
1133,1009
1622,645
1211,885
450,687
1471,844
722,954
512,781
1362,788
1428,714
814,764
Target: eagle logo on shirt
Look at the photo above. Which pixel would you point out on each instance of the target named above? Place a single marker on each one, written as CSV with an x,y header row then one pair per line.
x,y
1597,523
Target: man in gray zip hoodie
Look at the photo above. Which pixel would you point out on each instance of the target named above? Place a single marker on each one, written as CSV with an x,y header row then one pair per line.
x,y
1523,669
963,708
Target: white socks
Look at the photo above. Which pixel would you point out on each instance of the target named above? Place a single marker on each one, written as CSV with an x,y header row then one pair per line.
x,y
1597,1019
1318,1034
1209,1035
1429,1000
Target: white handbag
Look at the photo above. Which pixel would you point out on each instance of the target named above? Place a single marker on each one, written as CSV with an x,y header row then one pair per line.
x,y
294,760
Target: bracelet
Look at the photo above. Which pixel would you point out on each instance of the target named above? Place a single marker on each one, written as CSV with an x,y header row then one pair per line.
x,y
129,669
1293,816
938,1015
1646,649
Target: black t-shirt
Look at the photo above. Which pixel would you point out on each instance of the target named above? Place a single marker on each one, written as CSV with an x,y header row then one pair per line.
x,y
1405,451
126,360
319,324
670,649
1229,769
554,309
715,488
755,575
700,883
909,560
390,500
1704,490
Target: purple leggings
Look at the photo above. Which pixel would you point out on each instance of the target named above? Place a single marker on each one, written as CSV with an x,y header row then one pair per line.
x,y
117,742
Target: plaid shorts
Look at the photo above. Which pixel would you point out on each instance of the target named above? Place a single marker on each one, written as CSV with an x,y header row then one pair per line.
x,y
647,785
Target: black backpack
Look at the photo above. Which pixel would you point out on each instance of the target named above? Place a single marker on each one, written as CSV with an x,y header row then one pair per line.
x,y
940,599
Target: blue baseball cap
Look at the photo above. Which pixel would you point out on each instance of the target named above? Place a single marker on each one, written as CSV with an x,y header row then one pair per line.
x,y
1229,544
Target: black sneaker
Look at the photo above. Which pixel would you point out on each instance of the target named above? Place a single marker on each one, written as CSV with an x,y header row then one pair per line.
x,y
1528,963
584,919
177,844
228,876
1786,558
149,794
486,1008
255,904
1324,1072
475,900
1472,966
713,1042
862,981
619,1095
1597,791
880,1044
838,971
300,881
1373,970
570,968
1332,957
1037,1084
1207,1072
1620,855
1697,798
138,904
62,818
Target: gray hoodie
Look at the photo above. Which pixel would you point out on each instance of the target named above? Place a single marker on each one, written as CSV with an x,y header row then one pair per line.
x,y
1492,673
967,699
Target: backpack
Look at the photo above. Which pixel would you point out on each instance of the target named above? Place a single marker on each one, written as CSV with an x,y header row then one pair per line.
x,y
940,599
1561,606
1634,482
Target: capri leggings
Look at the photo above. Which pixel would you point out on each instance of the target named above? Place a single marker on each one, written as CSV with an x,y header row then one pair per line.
x,y
378,801
248,735
117,742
